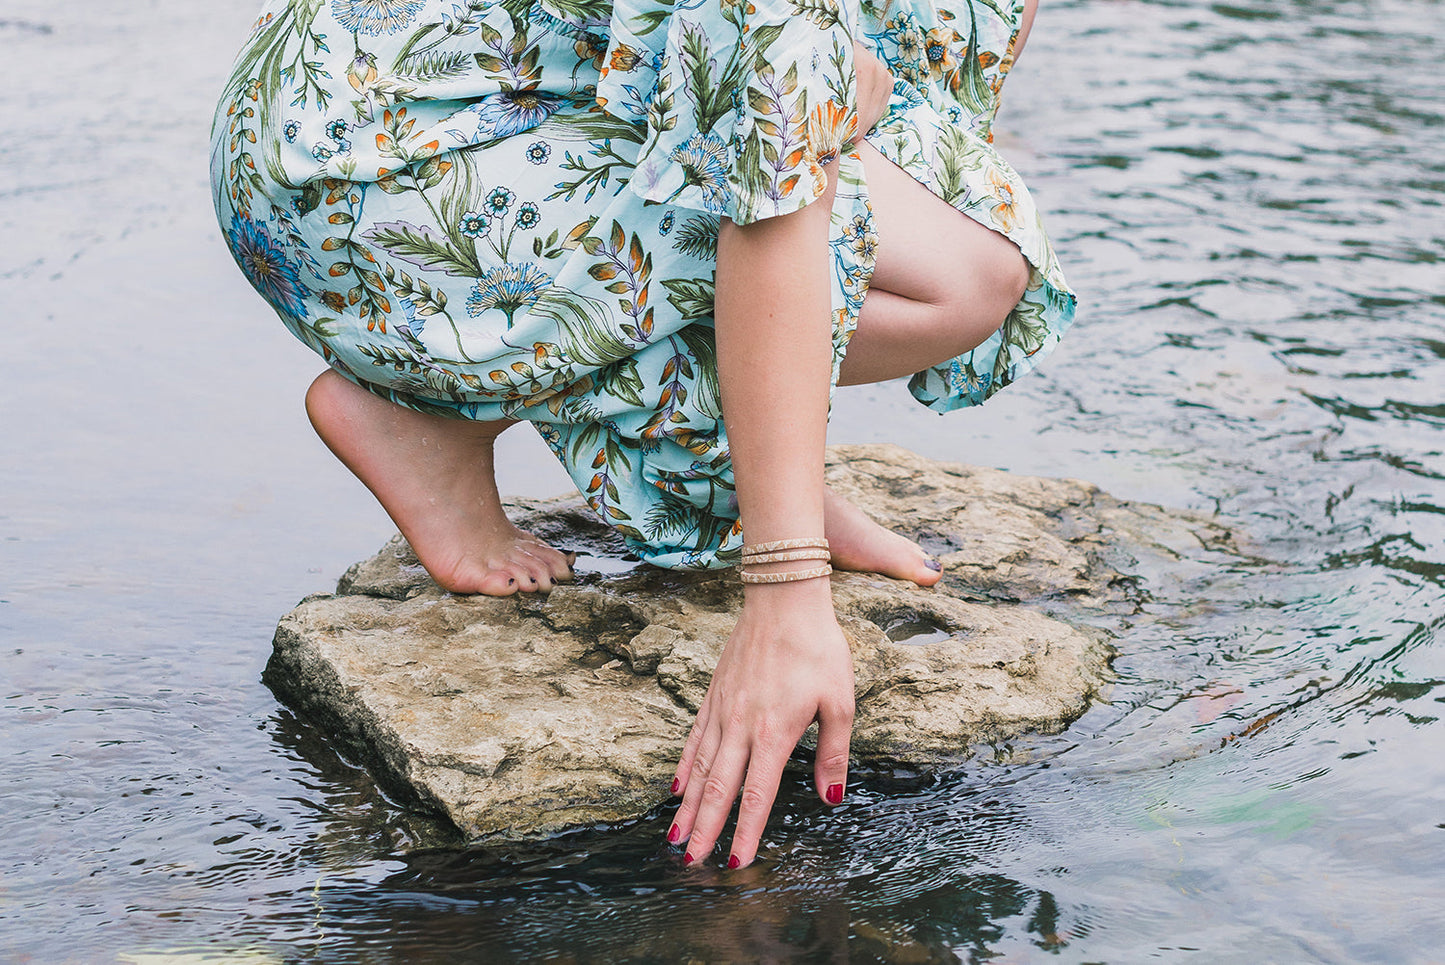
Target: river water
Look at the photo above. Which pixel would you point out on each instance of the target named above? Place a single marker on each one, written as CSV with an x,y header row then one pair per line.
x,y
1248,196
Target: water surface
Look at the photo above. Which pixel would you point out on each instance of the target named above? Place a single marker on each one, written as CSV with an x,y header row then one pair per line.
x,y
1248,197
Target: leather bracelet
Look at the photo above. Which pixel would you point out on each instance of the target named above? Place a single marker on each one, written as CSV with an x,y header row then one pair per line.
x,y
785,556
787,576
815,542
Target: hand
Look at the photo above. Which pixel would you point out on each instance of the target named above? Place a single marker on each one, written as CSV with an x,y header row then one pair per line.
x,y
875,86
785,665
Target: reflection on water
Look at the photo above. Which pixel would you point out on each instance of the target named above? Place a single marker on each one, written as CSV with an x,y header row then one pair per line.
x,y
1249,198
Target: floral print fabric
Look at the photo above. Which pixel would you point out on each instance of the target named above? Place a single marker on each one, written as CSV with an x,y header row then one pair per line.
x,y
510,209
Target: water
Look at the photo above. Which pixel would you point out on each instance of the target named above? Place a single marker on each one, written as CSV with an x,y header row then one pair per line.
x,y
1248,196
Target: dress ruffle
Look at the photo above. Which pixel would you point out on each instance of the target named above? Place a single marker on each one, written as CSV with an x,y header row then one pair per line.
x,y
744,102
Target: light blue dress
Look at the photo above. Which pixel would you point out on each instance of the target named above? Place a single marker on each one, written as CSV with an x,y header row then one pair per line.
x,y
490,210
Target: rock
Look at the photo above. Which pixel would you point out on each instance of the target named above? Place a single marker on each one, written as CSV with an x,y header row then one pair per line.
x,y
527,716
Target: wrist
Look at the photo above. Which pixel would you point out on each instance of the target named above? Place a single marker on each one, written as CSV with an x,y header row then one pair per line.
x,y
784,597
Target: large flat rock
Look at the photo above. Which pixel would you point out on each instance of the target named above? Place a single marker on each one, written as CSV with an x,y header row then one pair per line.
x,y
526,716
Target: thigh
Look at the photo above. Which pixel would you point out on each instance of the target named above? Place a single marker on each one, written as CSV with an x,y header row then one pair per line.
x,y
930,252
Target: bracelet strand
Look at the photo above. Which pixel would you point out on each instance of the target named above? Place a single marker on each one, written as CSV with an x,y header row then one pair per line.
x,y
784,556
789,576
755,549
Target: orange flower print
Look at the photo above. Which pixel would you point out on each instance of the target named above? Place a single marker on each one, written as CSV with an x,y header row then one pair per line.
x,y
624,58
1005,212
830,126
937,50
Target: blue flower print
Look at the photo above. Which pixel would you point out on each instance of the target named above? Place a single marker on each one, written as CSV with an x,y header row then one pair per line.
x,y
500,200
665,225
290,131
508,288
375,17
512,112
336,130
322,153
704,162
528,216
264,263
474,224
538,152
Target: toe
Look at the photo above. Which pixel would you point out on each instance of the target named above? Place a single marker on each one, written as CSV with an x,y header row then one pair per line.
x,y
534,576
556,565
499,581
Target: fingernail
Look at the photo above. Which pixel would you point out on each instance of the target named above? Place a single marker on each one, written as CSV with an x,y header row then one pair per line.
x,y
734,863
934,565
674,835
687,858
835,794
676,783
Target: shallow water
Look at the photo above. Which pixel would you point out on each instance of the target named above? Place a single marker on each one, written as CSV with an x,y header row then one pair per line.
x,y
1248,196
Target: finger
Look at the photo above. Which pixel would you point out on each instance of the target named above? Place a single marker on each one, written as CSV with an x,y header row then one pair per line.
x,y
715,800
689,749
701,766
765,773
830,768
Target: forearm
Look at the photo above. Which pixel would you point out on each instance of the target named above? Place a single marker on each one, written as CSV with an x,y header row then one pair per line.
x,y
774,343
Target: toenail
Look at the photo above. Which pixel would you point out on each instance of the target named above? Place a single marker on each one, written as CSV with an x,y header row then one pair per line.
x,y
933,565
511,582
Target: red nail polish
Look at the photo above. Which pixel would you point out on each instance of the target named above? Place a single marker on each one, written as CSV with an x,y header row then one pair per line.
x,y
835,794
687,858
733,863
674,835
676,783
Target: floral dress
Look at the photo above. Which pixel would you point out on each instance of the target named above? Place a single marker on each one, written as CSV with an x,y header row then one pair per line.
x,y
510,209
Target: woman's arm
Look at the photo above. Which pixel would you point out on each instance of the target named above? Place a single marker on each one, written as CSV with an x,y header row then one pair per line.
x,y
786,663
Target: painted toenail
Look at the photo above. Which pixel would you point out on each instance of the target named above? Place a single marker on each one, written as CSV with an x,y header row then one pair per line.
x,y
934,565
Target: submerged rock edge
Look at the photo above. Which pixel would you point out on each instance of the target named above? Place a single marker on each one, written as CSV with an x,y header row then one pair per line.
x,y
1005,669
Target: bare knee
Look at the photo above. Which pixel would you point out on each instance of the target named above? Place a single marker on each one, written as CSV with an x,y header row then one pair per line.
x,y
1011,278
992,285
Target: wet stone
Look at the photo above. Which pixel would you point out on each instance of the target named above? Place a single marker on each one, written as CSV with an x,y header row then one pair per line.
x,y
527,716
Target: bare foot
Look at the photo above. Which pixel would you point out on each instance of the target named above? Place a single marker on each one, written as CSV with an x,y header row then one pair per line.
x,y
436,478
858,543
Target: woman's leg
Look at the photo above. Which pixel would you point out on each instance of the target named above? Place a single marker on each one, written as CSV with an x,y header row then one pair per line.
x,y
943,283
436,478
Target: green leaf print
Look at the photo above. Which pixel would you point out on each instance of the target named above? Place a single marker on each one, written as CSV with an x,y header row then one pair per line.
x,y
692,297
585,324
698,237
435,66
824,13
420,247
707,397
670,515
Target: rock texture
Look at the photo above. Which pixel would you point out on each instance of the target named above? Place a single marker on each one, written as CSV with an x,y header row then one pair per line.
x,y
526,716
